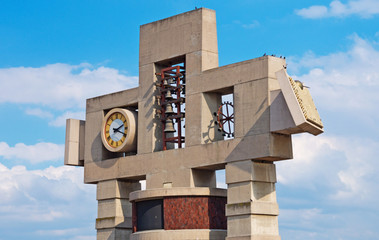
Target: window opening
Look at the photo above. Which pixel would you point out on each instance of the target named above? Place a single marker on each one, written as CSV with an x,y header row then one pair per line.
x,y
225,116
171,85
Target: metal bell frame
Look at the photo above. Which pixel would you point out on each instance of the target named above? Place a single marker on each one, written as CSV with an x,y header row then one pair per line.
x,y
171,82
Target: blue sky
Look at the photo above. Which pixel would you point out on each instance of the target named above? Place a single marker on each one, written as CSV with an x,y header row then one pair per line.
x,y
55,54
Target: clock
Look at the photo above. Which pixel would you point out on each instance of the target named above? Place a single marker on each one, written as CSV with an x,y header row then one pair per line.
x,y
119,130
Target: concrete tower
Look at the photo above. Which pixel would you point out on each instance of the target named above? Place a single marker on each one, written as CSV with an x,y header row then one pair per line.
x,y
139,134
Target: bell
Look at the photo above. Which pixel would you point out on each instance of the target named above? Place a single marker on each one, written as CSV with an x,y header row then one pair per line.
x,y
165,83
168,95
169,127
170,81
169,109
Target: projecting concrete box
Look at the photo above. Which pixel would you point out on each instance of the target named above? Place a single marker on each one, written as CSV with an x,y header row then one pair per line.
x,y
74,150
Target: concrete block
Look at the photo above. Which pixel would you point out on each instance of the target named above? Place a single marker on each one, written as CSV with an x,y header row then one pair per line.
x,y
280,117
157,43
123,98
176,191
254,237
239,226
248,147
251,108
94,147
101,170
116,189
148,128
213,156
184,234
113,234
274,64
113,222
147,80
209,60
250,208
251,192
193,119
176,177
231,75
253,225
114,208
280,147
74,143
240,192
250,171
194,62
209,31
199,61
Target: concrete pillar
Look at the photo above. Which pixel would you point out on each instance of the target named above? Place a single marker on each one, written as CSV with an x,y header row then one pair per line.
x,y
251,210
114,216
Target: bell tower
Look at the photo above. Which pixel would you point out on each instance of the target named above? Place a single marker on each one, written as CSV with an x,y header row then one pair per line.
x,y
174,131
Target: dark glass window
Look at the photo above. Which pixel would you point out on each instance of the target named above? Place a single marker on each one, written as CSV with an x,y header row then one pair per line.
x,y
150,215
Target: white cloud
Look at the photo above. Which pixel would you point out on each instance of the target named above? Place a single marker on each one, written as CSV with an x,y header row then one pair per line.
x,y
56,121
60,86
61,120
313,12
363,8
327,224
55,195
344,168
345,81
39,113
37,153
60,232
253,24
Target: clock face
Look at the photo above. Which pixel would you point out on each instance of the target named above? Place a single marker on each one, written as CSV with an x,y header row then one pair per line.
x,y
119,130
116,129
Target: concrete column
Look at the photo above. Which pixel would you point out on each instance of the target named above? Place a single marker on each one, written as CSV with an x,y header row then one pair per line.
x,y
251,210
114,216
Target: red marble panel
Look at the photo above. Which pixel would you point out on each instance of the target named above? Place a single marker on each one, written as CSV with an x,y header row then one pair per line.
x,y
194,212
134,217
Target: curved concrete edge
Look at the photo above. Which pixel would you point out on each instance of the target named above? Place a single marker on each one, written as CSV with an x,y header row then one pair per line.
x,y
179,191
185,234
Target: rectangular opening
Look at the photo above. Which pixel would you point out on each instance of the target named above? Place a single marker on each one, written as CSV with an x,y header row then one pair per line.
x,y
218,115
226,116
220,179
170,97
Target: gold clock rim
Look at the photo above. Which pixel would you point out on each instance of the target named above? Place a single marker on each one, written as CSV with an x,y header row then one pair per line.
x,y
129,143
105,129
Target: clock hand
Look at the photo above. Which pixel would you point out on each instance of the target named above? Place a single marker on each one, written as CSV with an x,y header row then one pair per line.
x,y
117,130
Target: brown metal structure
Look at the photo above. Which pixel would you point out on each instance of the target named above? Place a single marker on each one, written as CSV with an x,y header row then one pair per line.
x,y
172,80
